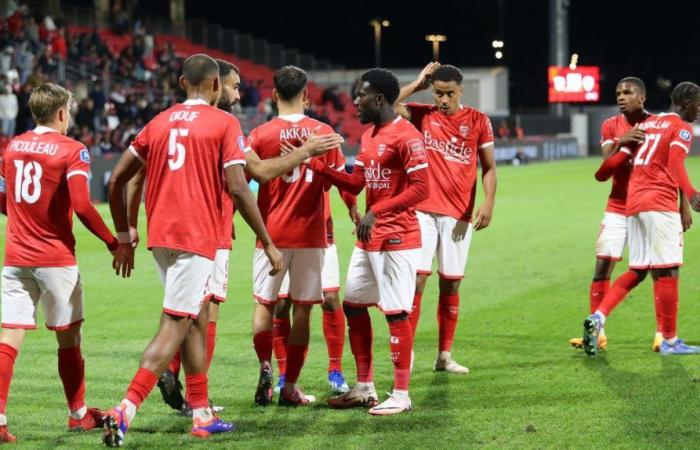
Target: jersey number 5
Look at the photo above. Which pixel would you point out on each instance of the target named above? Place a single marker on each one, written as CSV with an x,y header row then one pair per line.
x,y
176,150
651,141
28,175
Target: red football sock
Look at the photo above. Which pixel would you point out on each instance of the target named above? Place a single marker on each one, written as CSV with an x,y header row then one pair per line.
x,y
296,354
657,312
360,334
8,355
618,291
280,338
196,388
174,365
262,341
401,344
334,332
448,313
141,385
211,342
666,296
71,369
597,293
415,311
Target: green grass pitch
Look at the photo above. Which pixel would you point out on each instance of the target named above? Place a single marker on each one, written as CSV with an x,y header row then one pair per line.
x,y
525,294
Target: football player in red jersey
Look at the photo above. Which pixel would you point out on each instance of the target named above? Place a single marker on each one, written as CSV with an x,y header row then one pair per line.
x,y
260,170
45,179
616,132
456,136
290,208
188,149
653,220
333,317
391,166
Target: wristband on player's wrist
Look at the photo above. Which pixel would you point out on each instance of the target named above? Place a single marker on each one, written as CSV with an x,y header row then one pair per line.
x,y
124,237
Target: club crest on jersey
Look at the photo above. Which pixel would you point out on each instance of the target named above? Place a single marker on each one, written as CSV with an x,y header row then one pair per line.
x,y
381,149
415,148
464,130
685,135
85,155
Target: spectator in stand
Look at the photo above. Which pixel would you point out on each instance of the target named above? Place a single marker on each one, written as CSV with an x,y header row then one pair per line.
x,y
24,61
251,94
503,131
59,47
8,111
330,94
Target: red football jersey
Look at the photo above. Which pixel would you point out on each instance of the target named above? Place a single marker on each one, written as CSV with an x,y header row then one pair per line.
x,y
387,155
651,187
292,205
36,167
186,148
228,209
611,131
452,143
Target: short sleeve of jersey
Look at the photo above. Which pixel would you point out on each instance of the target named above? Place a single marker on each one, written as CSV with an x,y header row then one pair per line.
x,y
78,162
234,143
607,133
486,133
413,152
253,141
418,111
682,137
140,143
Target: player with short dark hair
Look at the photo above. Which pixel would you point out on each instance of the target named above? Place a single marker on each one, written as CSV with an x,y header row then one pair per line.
x,y
391,168
260,170
617,132
290,208
457,138
192,149
653,220
44,178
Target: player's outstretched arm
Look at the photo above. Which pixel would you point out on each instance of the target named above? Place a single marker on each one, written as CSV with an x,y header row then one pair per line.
x,y
488,183
246,205
421,83
125,169
351,203
676,166
265,170
349,182
134,194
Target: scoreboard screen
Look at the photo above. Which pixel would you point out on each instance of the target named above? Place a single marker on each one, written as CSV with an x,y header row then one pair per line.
x,y
581,84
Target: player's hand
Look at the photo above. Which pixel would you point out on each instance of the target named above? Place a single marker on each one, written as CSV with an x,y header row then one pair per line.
x,y
354,216
686,215
317,145
695,202
275,257
425,74
633,137
459,232
134,236
364,229
483,216
123,262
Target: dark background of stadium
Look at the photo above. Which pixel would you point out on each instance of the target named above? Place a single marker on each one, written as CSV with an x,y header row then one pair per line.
x,y
657,41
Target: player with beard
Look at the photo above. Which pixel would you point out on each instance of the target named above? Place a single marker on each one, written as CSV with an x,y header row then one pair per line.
x,y
260,170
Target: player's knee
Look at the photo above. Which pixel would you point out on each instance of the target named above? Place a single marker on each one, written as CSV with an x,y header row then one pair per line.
x,y
449,287
641,274
421,280
331,302
669,272
282,308
352,311
603,268
403,315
